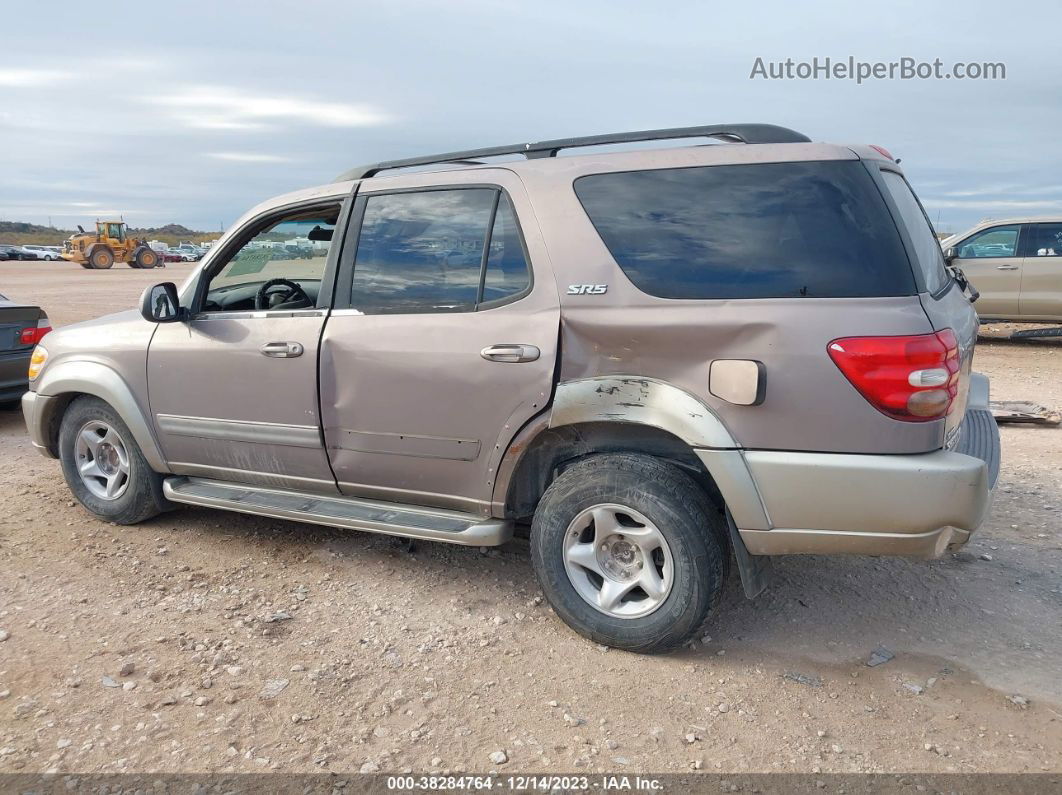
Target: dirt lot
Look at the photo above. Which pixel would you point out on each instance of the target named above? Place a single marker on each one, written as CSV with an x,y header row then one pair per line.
x,y
153,648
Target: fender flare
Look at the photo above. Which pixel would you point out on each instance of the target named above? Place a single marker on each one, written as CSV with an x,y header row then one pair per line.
x,y
648,401
100,380
637,399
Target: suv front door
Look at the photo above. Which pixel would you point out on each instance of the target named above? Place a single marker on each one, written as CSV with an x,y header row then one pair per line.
x,y
443,340
991,260
233,389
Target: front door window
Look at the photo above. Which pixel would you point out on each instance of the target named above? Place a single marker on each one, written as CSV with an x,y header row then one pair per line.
x,y
279,268
999,241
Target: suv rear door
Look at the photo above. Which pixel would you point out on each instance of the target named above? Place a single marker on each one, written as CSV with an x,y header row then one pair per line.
x,y
1041,283
442,342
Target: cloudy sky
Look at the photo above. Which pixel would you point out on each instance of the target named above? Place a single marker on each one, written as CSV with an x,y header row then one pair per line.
x,y
190,112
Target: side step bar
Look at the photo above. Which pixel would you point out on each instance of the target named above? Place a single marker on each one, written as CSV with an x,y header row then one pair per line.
x,y
372,516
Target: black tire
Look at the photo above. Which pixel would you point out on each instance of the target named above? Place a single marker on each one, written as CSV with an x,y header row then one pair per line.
x,y
101,258
693,528
86,265
142,497
144,258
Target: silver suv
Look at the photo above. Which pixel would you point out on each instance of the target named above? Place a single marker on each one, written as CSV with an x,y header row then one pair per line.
x,y
655,362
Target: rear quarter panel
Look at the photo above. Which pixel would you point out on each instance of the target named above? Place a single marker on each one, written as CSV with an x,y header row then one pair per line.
x,y
809,404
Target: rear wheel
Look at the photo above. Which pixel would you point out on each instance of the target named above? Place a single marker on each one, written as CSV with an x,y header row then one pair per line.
x,y
101,258
629,552
103,465
144,258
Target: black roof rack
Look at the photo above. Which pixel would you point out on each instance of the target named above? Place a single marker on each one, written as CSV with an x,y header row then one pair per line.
x,y
741,133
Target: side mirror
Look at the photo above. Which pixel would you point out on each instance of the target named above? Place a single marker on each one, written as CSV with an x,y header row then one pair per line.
x,y
160,304
950,253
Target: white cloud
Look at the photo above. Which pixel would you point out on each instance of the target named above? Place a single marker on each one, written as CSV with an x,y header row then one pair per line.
x,y
217,107
248,157
32,78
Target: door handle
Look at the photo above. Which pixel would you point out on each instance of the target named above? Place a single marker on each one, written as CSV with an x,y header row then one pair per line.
x,y
510,353
281,350
1006,267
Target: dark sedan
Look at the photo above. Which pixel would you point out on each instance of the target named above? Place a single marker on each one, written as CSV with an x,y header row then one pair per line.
x,y
9,252
21,327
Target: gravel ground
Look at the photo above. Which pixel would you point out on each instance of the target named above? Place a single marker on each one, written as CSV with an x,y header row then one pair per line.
x,y
208,641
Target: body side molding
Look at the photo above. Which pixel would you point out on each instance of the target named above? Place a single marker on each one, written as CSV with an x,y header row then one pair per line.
x,y
241,431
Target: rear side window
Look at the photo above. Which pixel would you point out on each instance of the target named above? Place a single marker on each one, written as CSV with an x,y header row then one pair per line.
x,y
930,259
506,273
437,251
1046,240
772,230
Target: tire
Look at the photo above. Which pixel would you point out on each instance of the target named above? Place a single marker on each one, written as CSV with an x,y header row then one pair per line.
x,y
138,496
101,258
86,265
642,495
144,258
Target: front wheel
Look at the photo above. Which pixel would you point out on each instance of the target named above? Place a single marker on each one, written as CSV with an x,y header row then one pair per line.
x,y
144,258
630,552
102,258
103,465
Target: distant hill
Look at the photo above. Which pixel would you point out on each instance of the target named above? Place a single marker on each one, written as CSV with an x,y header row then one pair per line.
x,y
19,233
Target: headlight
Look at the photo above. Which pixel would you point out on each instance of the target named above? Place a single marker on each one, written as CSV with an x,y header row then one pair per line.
x,y
37,360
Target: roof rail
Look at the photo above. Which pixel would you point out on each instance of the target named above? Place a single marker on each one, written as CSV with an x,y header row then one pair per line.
x,y
741,133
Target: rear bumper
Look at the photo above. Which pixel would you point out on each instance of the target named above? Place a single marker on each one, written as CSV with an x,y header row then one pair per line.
x,y
911,505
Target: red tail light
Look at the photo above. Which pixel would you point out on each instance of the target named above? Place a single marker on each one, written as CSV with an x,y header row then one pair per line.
x,y
34,334
914,379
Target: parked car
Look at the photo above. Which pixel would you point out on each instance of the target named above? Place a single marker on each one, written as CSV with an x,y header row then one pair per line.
x,y
191,251
22,326
1015,265
657,363
47,253
166,255
182,255
9,252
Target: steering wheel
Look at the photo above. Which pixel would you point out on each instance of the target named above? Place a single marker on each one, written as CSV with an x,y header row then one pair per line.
x,y
292,291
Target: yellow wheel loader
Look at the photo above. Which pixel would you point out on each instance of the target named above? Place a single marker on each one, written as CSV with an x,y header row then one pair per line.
x,y
110,244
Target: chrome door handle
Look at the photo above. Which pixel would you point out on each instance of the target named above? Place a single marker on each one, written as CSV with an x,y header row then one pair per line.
x,y
281,350
1006,267
510,353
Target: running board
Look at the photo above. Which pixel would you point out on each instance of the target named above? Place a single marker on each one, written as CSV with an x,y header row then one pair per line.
x,y
409,521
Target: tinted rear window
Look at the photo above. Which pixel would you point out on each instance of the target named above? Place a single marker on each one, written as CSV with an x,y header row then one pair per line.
x,y
773,230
